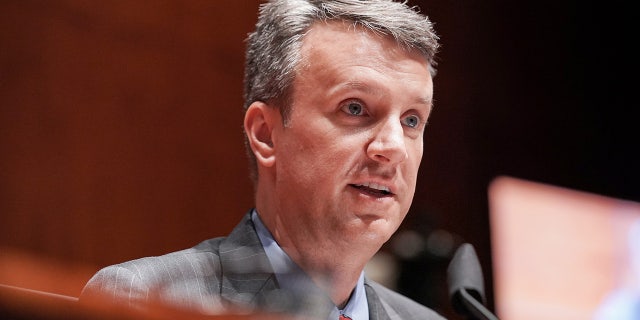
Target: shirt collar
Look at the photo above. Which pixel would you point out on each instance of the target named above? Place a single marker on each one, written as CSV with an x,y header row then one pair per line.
x,y
291,277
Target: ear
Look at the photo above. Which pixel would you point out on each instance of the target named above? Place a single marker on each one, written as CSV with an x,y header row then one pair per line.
x,y
259,121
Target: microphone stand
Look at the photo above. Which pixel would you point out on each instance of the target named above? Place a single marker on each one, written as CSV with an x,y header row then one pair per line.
x,y
476,309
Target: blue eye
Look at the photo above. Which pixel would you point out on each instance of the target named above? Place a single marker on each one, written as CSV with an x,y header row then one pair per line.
x,y
411,121
353,108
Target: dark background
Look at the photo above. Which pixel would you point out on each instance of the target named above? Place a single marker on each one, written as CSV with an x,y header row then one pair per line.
x,y
539,90
120,123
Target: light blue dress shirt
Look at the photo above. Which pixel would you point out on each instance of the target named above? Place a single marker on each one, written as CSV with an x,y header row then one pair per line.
x,y
291,277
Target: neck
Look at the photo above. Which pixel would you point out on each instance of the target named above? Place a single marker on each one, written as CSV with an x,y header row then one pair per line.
x,y
337,279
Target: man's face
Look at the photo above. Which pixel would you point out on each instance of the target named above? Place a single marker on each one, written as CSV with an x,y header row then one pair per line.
x,y
347,160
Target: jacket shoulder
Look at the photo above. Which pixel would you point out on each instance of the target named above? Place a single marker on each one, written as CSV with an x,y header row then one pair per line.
x,y
182,277
402,307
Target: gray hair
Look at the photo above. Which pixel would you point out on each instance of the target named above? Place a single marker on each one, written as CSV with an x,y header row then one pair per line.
x,y
273,49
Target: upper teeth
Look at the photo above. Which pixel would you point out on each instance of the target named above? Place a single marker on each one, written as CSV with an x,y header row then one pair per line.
x,y
376,186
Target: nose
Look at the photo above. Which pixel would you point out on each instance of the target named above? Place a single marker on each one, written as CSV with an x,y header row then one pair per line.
x,y
388,143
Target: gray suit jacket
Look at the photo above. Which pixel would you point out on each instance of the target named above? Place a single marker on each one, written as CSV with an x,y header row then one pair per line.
x,y
227,273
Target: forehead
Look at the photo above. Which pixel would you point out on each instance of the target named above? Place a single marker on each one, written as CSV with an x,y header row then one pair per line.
x,y
339,51
334,33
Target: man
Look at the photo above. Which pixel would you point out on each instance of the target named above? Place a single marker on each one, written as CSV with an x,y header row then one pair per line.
x,y
337,97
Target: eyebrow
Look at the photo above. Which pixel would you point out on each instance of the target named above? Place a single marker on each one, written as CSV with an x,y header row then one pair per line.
x,y
364,87
427,101
357,85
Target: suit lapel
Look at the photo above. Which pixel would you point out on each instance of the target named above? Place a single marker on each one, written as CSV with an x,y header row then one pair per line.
x,y
246,275
247,278
377,310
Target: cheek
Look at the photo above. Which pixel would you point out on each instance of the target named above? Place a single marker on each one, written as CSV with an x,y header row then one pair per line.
x,y
310,157
323,145
415,158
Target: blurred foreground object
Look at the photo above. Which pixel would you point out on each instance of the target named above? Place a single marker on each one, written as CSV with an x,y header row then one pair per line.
x,y
563,254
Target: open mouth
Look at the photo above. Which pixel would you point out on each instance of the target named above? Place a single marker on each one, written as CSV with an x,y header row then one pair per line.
x,y
373,189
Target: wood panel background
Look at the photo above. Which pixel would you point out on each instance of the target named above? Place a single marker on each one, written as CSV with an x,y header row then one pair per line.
x,y
120,126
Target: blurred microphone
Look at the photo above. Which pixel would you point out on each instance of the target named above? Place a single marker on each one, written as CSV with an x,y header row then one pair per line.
x,y
466,284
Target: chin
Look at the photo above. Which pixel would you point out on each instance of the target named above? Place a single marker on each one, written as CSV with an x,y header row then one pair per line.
x,y
379,230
